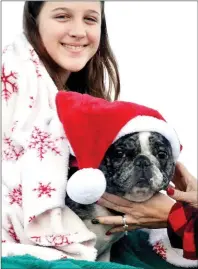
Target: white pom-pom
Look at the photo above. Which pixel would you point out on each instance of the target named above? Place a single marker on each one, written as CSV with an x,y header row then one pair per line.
x,y
86,186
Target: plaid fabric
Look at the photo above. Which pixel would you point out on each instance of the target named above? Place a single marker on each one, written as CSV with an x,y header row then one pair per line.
x,y
183,229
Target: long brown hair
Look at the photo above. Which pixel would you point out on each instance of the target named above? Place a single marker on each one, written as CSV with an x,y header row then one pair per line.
x,y
91,79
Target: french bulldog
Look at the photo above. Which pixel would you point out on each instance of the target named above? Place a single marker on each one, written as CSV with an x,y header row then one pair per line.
x,y
136,166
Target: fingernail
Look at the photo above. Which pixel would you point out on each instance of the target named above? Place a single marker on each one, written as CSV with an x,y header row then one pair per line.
x,y
98,202
95,221
108,233
170,191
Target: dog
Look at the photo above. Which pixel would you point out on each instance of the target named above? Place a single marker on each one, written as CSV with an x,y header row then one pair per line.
x,y
136,166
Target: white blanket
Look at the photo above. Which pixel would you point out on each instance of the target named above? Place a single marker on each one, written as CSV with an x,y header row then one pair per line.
x,y
35,164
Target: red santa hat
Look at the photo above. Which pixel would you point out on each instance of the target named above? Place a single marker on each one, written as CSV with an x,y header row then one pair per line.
x,y
91,125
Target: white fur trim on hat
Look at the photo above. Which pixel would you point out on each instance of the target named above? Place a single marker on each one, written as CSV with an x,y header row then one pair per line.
x,y
172,255
151,124
86,186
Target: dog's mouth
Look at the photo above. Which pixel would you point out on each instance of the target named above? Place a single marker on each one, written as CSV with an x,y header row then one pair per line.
x,y
145,185
141,190
140,194
142,183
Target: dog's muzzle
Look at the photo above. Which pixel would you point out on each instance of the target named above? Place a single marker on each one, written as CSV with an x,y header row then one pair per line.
x,y
142,161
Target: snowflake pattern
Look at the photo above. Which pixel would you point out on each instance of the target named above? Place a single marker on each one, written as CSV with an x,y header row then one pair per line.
x,y
12,152
35,60
9,85
16,196
58,240
42,142
31,218
44,190
31,102
5,49
36,239
160,249
3,241
14,125
12,233
63,257
61,138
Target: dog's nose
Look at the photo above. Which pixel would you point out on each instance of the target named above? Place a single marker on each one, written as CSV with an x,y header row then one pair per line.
x,y
142,161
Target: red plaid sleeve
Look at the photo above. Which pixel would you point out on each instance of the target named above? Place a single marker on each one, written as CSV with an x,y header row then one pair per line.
x,y
183,229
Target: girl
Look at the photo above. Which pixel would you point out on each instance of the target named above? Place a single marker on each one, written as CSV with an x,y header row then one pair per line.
x,y
64,46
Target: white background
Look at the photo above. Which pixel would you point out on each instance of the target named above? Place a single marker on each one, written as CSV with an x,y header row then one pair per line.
x,y
155,44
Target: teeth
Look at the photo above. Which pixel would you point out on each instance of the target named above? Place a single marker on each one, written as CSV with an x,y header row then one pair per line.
x,y
73,47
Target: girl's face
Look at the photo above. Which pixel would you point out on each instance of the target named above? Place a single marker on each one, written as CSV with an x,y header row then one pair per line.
x,y
70,32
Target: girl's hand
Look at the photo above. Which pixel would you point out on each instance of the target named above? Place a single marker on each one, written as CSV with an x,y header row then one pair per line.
x,y
185,186
150,214
154,212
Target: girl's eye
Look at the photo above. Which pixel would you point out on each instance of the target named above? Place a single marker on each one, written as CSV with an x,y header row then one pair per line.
x,y
62,17
91,19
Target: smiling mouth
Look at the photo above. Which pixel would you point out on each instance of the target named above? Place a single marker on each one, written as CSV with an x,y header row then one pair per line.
x,y
73,48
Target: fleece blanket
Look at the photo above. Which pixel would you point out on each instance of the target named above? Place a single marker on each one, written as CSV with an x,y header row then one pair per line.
x,y
131,252
35,158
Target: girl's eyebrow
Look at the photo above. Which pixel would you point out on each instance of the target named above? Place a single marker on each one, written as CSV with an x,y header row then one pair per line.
x,y
69,10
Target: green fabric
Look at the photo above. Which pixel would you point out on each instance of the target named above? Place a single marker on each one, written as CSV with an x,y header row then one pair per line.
x,y
137,252
131,252
29,262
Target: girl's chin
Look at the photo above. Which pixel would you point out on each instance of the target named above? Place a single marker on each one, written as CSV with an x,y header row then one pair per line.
x,y
74,69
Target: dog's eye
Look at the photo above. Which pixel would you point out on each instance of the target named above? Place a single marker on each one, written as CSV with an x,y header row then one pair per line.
x,y
131,153
162,154
119,154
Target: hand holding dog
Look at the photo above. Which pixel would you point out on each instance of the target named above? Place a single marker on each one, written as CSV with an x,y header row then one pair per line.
x,y
154,212
185,186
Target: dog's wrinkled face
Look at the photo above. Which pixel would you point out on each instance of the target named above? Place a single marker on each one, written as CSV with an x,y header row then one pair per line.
x,y
138,165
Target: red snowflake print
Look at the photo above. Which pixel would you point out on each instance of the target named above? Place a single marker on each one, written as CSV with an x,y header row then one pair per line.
x,y
31,218
3,241
44,190
12,152
12,233
16,196
160,249
35,60
63,257
14,125
9,85
61,138
5,49
58,240
36,239
43,142
31,102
